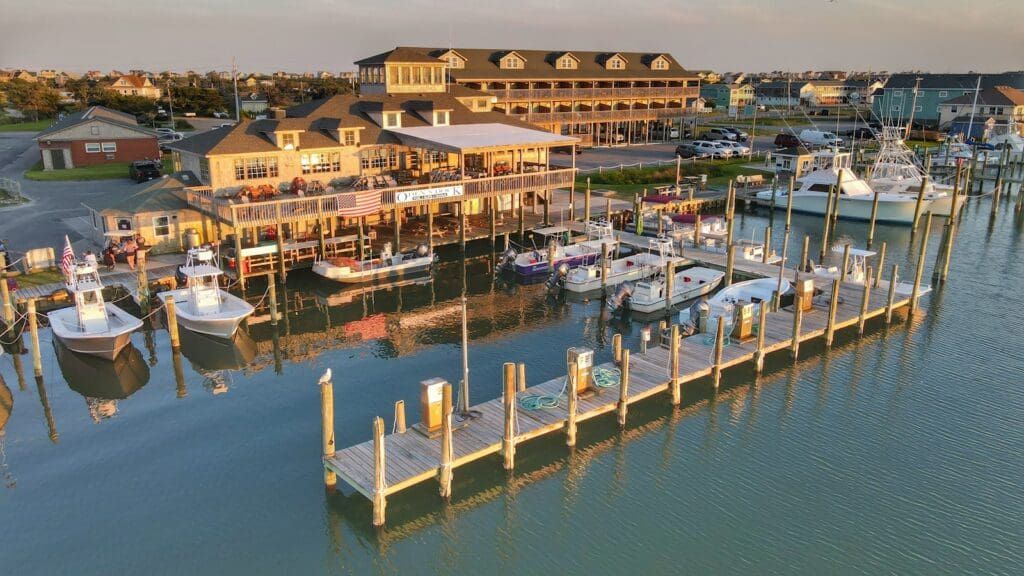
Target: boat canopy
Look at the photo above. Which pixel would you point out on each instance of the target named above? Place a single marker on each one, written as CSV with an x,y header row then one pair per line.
x,y
853,251
551,231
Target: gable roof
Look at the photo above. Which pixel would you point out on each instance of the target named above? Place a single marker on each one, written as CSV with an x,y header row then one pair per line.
x,y
995,96
161,195
956,81
400,54
96,113
322,118
483,64
134,80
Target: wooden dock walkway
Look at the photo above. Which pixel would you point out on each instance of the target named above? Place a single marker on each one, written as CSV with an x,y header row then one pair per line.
x,y
410,457
128,280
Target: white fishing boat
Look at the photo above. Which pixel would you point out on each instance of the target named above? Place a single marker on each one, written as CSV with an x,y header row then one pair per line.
x,y
811,193
202,306
896,171
745,249
953,154
385,267
649,295
585,252
92,326
754,292
856,271
628,269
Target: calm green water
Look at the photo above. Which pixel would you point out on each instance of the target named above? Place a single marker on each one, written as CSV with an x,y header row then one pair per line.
x,y
897,453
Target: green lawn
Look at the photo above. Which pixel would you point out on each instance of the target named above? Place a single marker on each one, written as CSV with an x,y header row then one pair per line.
x,y
27,126
40,278
723,171
101,172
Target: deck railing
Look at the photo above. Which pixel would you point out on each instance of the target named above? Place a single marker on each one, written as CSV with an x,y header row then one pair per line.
x,y
580,93
583,116
314,207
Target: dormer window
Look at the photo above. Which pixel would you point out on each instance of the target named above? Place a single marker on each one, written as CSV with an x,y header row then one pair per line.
x,y
659,63
288,141
454,62
392,119
616,64
348,137
441,117
512,62
566,63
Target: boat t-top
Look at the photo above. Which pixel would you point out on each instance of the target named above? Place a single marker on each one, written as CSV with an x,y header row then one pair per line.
x,y
535,262
202,306
387,266
627,269
856,271
92,326
896,171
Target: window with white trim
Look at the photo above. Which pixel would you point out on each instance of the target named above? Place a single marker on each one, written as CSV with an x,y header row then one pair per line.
x,y
204,169
435,156
378,158
566,63
454,62
440,118
615,64
942,93
288,141
109,146
512,62
660,64
898,93
92,147
392,120
256,168
161,226
319,162
348,137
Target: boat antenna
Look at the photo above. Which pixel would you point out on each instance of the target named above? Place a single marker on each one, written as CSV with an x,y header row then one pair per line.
x,y
974,106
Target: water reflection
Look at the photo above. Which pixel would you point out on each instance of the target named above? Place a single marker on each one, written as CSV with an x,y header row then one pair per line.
x,y
6,406
101,382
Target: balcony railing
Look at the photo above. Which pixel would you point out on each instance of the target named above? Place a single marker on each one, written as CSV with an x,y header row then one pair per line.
x,y
584,93
602,115
270,212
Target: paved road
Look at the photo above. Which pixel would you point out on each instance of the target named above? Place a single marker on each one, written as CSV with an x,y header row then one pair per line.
x,y
628,155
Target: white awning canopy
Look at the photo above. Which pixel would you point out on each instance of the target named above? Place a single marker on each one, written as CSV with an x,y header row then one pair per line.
x,y
479,137
853,251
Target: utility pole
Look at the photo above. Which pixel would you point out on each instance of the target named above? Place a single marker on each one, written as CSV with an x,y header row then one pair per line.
x,y
913,105
234,80
170,104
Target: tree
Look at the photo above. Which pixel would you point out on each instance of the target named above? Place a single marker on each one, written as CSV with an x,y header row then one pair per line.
x,y
34,98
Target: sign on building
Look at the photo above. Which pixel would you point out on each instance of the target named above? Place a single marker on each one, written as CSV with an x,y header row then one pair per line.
x,y
428,194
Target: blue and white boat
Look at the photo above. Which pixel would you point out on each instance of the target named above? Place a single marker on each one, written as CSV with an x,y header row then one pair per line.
x,y
584,253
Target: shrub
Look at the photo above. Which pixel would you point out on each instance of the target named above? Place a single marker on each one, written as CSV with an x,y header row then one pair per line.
x,y
654,175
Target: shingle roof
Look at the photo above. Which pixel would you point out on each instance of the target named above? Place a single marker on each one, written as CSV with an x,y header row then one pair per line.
x,y
96,113
161,195
482,63
996,96
135,81
956,81
320,118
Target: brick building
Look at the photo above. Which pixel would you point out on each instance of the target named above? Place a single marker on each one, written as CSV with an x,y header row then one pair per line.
x,y
93,136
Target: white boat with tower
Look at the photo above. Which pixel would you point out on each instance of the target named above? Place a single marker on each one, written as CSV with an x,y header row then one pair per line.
x,y
202,306
92,326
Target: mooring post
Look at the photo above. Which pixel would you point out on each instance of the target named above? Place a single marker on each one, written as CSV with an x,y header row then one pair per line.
x,y
380,500
280,250
836,203
673,364
400,417
864,299
777,301
874,214
445,473
521,380
833,304
272,287
919,203
239,260
327,419
798,313
730,262
804,253
670,280
789,204
617,348
181,391
846,262
716,372
586,202
892,294
608,212
828,223
570,422
172,322
605,265
5,293
33,329
920,265
696,230
762,327
462,225
767,244
881,263
508,441
552,251
142,281
623,405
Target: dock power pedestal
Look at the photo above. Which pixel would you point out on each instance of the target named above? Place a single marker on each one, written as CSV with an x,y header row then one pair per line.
x,y
431,394
584,360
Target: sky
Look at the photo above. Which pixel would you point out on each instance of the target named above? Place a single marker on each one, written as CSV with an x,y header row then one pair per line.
x,y
310,35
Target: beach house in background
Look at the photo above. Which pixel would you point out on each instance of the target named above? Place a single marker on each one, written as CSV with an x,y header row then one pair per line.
x,y
132,85
599,97
96,135
728,97
895,103
1003,105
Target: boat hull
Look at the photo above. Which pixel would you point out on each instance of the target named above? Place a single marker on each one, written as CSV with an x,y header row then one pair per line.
x,y
222,324
347,275
850,209
106,344
682,291
540,266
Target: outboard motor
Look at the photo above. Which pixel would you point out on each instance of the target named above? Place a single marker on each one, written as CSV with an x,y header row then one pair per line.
x,y
506,260
694,313
422,250
621,297
557,278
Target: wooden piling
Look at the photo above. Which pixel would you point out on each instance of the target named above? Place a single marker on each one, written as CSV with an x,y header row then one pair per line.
x,y
586,202
673,365
570,422
804,253
830,329
327,419
33,330
892,293
798,313
762,326
729,264
142,282
8,309
767,244
508,441
670,278
696,230
836,203
920,265
272,287
777,302
462,225
827,225
846,262
864,300
181,391
280,254
239,260
605,264
521,379
919,203
172,322
874,214
608,212
400,417
716,373
617,348
380,501
881,263
789,205
445,472
623,406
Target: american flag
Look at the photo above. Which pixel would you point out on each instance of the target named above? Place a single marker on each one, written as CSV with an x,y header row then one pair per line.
x,y
67,260
359,204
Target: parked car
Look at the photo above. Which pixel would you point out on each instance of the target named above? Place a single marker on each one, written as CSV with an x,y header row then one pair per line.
x,y
862,133
820,138
786,140
190,114
714,149
737,148
741,136
719,133
220,115
564,149
143,170
688,150
226,125
160,131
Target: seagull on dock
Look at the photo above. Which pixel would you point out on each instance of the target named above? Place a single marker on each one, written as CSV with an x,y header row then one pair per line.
x,y
326,378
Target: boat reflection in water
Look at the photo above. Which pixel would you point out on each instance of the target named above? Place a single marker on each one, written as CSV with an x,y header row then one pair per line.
x,y
102,382
6,405
214,358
